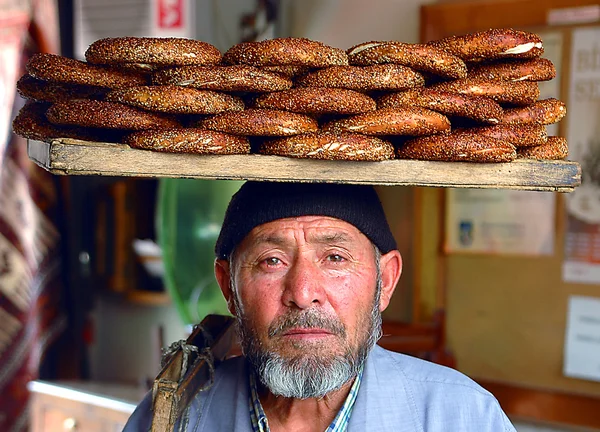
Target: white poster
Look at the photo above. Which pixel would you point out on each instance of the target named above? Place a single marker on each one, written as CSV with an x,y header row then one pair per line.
x,y
500,222
582,239
582,339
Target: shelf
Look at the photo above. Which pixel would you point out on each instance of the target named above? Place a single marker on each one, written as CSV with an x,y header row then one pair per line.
x,y
75,157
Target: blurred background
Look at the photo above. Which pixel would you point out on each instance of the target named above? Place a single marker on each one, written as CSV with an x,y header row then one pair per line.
x,y
97,274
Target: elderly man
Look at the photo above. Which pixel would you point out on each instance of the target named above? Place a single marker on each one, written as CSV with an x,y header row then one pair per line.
x,y
307,270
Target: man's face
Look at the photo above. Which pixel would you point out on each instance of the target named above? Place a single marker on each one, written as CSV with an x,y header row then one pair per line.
x,y
305,292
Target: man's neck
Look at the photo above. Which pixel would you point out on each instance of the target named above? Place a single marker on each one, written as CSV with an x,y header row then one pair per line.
x,y
303,415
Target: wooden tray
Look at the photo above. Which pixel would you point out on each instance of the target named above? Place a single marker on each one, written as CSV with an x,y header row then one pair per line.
x,y
76,157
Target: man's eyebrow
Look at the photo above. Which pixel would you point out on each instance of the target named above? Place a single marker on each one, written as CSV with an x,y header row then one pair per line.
x,y
270,239
323,238
329,238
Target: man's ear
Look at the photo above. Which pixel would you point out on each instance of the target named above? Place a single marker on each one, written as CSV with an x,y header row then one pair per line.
x,y
223,276
391,268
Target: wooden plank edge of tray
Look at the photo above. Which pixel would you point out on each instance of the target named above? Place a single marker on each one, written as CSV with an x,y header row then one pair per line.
x,y
76,157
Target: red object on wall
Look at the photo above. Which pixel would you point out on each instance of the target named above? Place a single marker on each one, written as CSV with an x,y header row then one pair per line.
x,y
171,14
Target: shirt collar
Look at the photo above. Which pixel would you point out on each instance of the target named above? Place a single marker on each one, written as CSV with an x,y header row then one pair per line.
x,y
257,414
258,417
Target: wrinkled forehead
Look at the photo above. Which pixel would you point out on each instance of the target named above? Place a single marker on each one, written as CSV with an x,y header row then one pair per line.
x,y
311,230
318,229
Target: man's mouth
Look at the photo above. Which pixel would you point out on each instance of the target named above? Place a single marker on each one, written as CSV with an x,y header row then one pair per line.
x,y
306,324
307,332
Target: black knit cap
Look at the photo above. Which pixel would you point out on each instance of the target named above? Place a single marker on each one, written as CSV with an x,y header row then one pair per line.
x,y
257,203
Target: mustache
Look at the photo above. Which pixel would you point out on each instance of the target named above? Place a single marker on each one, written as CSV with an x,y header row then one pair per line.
x,y
306,318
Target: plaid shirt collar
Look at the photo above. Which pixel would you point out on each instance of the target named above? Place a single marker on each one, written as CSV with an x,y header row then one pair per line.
x,y
339,424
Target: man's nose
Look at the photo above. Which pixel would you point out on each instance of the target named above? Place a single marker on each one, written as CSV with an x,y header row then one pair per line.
x,y
303,284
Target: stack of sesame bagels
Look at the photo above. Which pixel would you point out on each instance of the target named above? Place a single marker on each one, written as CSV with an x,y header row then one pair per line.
x,y
468,98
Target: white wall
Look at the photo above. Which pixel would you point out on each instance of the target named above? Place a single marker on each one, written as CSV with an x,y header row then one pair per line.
x,y
218,21
344,23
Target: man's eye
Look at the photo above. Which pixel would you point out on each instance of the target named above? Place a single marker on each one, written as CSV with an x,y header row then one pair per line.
x,y
272,261
335,258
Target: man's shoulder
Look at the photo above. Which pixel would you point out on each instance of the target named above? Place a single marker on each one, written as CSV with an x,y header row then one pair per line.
x,y
425,373
435,397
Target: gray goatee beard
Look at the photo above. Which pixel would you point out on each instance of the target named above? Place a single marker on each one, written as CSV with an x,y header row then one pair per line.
x,y
310,375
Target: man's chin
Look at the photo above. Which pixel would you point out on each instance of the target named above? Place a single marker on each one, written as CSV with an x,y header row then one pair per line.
x,y
311,348
308,357
307,375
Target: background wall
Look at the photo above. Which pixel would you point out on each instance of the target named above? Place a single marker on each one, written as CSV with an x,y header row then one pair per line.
x,y
344,23
506,316
507,320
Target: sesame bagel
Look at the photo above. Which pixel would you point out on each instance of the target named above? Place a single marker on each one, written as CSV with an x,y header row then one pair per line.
x,y
237,78
420,57
492,44
537,69
519,135
110,115
364,78
189,140
260,122
412,121
152,51
51,67
556,148
288,71
479,108
457,147
285,51
503,92
176,99
31,123
139,67
330,146
48,91
545,111
315,100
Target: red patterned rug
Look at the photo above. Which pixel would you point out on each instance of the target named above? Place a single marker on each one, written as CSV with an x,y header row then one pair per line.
x,y
30,316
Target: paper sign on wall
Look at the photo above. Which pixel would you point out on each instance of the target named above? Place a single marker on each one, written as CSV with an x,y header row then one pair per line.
x,y
500,222
582,340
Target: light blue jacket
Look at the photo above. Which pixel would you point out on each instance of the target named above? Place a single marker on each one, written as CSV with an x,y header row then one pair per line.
x,y
398,393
